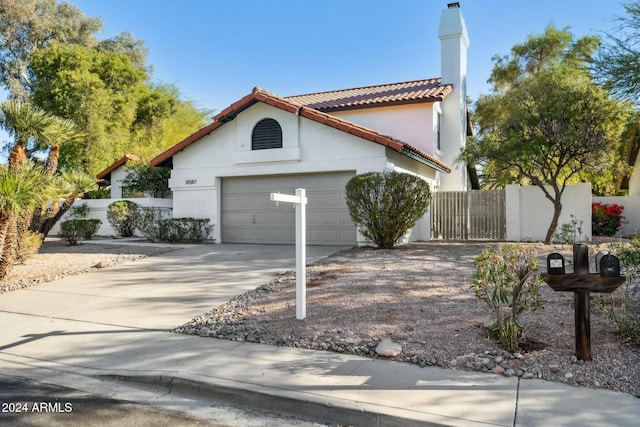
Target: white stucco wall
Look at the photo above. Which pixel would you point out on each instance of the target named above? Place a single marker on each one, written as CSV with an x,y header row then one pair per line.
x,y
529,212
116,181
413,124
634,179
308,147
98,210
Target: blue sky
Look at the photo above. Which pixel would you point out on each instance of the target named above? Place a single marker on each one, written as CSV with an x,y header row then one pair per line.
x,y
216,51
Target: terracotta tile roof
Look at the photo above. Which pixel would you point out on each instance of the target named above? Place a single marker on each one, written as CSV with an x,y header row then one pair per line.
x,y
126,158
416,91
261,95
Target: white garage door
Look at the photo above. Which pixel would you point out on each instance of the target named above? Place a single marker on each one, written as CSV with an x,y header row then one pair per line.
x,y
249,216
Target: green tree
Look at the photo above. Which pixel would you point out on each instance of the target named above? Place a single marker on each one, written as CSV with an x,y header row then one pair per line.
x,y
618,64
29,25
110,98
98,91
546,122
145,179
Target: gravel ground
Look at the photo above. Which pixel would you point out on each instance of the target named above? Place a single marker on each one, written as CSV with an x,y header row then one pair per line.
x,y
418,296
56,259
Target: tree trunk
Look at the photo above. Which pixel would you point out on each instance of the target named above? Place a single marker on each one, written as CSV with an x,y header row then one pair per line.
x,y
17,158
557,210
51,165
22,226
52,217
8,254
37,218
4,226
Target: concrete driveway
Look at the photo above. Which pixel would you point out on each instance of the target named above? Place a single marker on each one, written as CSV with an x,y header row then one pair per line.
x,y
157,293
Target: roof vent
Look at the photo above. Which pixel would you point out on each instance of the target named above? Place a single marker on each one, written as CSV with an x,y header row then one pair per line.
x,y
455,5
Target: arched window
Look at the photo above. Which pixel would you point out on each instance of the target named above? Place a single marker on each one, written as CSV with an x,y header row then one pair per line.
x,y
266,134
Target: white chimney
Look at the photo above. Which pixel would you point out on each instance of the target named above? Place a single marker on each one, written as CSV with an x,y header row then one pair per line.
x,y
454,45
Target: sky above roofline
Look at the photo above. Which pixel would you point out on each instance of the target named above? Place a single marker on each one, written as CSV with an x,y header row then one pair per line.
x,y
216,52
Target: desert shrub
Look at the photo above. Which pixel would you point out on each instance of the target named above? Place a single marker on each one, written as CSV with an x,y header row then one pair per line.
x,y
154,224
100,193
30,242
122,215
570,232
385,206
81,211
507,283
185,229
606,219
623,305
79,229
150,221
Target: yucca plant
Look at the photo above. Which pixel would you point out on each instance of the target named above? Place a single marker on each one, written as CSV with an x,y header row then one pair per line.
x,y
71,185
19,191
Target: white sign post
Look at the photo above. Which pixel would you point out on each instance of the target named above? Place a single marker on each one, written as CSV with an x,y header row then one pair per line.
x,y
299,200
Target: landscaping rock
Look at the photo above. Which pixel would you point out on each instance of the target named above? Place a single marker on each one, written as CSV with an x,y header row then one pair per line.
x,y
388,348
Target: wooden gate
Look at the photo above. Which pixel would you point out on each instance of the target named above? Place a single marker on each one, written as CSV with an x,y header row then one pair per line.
x,y
468,215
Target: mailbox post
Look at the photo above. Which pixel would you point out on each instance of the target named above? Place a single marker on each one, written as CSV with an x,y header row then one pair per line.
x,y
582,283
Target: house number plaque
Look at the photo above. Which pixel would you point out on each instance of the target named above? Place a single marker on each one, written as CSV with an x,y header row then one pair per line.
x,y
190,181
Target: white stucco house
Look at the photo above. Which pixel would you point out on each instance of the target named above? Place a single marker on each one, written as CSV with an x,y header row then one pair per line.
x,y
116,173
265,143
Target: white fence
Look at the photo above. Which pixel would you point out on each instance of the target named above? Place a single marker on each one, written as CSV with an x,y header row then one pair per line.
x,y
529,212
98,210
630,213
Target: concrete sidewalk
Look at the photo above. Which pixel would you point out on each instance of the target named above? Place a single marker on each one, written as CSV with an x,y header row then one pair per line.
x,y
105,331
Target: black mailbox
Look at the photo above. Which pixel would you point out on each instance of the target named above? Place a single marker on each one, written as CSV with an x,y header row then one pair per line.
x,y
555,264
599,256
609,266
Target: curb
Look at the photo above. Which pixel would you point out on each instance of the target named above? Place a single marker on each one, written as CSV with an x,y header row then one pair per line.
x,y
324,412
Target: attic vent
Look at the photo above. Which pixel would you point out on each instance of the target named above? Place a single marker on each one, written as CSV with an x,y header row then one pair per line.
x,y
266,134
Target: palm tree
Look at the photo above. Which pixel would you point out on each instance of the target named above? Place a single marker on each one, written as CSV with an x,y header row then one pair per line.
x,y
19,191
34,129
73,184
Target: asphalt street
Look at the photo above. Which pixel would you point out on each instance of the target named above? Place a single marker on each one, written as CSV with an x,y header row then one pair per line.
x,y
27,403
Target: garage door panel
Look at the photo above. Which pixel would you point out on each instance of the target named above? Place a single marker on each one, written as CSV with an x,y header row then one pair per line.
x,y
249,216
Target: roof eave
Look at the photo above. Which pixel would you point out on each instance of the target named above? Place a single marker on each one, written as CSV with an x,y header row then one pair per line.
x,y
106,174
429,100
425,160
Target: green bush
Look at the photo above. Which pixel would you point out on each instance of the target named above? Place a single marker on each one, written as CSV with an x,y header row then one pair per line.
x,y
79,229
507,283
623,305
385,206
150,221
185,229
153,223
122,215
